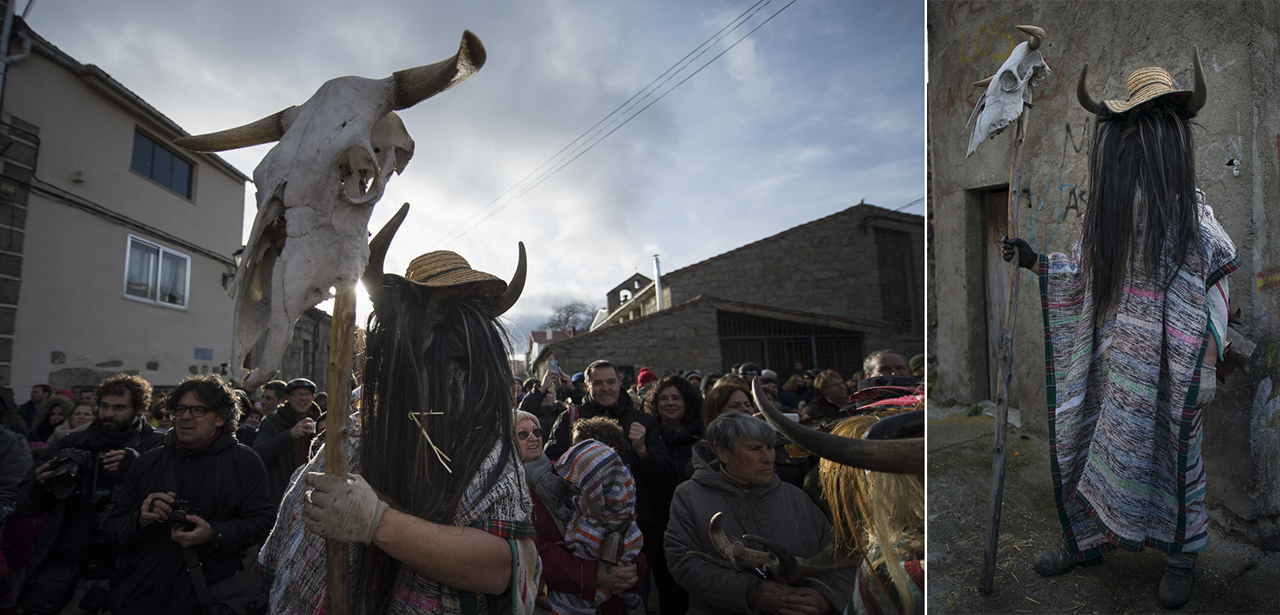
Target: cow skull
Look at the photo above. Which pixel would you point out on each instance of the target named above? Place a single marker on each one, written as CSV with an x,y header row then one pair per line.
x,y
777,563
316,190
1008,90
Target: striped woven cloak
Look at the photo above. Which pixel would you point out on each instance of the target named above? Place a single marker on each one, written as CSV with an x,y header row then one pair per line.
x,y
1125,433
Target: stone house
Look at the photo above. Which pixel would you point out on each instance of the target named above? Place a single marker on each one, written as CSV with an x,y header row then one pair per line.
x,y
821,294
117,246
1236,162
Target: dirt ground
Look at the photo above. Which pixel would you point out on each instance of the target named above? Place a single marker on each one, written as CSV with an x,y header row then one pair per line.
x,y
1231,577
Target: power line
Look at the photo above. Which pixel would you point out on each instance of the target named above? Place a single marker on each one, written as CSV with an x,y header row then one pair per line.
x,y
919,200
644,93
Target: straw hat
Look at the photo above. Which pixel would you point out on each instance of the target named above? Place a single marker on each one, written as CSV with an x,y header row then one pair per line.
x,y
1147,84
440,269
443,268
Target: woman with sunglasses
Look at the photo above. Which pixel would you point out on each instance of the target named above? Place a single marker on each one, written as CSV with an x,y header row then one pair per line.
x,y
561,570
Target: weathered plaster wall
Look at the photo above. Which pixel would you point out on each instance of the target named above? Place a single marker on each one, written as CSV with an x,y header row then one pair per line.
x,y
1238,46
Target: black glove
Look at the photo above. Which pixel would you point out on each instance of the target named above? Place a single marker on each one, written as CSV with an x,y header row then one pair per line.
x,y
1027,258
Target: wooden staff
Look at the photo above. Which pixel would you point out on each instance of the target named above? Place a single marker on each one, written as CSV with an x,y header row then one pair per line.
x,y
1005,378
341,340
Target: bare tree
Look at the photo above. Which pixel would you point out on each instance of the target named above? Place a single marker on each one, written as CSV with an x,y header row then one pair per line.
x,y
570,315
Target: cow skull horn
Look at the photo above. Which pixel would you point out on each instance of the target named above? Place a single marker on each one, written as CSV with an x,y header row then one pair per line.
x,y
373,271
744,558
1082,93
905,456
1199,92
414,85
1036,34
508,298
266,130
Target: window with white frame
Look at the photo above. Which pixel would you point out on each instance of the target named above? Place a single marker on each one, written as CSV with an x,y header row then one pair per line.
x,y
155,274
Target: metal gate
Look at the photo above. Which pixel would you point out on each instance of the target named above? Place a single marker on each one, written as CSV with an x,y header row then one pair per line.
x,y
779,344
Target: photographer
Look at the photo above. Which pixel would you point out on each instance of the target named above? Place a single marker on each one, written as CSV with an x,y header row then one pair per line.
x,y
195,503
283,440
76,481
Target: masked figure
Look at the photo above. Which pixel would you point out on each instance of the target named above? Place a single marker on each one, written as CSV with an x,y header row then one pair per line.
x,y
437,491
1134,320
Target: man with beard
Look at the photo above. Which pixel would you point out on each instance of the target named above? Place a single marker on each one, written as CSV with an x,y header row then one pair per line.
x,y
188,509
76,481
283,440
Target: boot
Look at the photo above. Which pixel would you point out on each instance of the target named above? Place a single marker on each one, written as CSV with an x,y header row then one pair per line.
x,y
1179,575
1058,561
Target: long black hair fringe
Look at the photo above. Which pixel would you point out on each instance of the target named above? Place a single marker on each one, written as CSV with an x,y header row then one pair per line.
x,y
1142,190
436,362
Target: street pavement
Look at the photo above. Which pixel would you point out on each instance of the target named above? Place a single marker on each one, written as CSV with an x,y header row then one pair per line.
x,y
1233,576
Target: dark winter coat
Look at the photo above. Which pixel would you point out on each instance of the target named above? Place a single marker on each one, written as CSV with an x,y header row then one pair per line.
x,y
277,447
15,460
225,484
72,533
777,511
532,403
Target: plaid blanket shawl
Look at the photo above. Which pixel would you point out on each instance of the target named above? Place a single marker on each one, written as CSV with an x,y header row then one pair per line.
x,y
293,559
1124,425
596,472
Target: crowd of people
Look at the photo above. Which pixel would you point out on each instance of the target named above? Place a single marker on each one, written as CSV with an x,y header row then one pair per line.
x,y
114,501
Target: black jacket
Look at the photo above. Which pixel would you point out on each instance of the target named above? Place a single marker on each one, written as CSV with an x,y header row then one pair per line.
x,y
15,460
72,531
225,484
275,446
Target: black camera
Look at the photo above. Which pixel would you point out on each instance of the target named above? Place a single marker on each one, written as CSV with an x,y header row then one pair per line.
x,y
178,517
65,470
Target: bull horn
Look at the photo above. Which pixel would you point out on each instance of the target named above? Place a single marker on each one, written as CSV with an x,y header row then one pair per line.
x,y
373,271
1199,94
1036,34
508,298
1082,93
901,425
265,130
414,85
982,83
904,456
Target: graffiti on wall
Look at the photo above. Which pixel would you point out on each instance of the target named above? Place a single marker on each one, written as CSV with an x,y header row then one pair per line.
x,y
994,42
1069,197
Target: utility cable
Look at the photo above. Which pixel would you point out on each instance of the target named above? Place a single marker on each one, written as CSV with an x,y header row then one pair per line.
x,y
596,141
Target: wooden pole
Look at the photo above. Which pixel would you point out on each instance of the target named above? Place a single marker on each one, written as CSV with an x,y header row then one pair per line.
x,y
1005,377
341,341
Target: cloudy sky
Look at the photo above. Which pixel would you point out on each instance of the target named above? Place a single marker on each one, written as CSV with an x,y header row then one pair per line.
x,y
820,108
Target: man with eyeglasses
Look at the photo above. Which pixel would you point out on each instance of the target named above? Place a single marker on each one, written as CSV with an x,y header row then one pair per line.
x,y
284,437
76,481
189,509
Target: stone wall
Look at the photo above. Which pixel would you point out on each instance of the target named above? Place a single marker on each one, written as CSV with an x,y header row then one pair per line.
x,y
681,338
830,266
1241,122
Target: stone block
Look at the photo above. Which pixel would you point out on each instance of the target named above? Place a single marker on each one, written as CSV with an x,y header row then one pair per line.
x,y
10,264
9,291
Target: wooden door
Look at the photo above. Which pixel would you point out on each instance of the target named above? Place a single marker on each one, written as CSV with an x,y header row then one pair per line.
x,y
995,224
